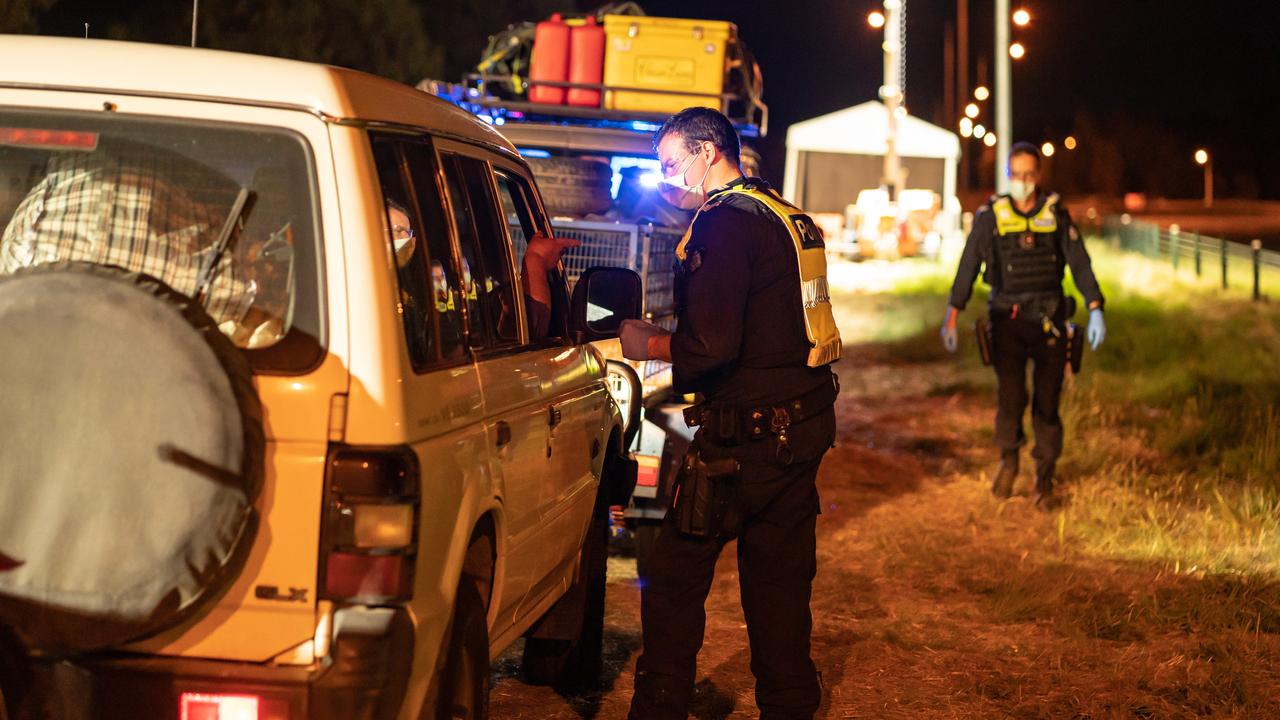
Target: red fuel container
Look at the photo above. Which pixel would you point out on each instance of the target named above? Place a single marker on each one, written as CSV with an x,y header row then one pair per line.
x,y
586,63
550,61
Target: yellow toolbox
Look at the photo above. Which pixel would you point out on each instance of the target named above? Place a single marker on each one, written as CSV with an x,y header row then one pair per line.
x,y
664,54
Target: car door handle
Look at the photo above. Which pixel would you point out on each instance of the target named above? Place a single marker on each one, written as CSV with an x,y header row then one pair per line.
x,y
554,416
504,433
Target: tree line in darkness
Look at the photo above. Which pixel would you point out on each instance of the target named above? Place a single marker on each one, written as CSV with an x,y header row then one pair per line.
x,y
406,40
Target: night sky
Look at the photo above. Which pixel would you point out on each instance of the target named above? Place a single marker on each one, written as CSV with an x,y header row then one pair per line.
x,y
1159,77
1148,81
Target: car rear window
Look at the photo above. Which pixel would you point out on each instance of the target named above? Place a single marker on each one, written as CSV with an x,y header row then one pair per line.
x,y
224,213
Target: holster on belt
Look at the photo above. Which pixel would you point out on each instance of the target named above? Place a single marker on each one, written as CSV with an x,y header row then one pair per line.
x,y
704,495
982,329
1075,347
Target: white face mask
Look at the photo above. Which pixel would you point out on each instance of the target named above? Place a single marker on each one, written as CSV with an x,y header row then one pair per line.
x,y
686,197
404,249
1020,190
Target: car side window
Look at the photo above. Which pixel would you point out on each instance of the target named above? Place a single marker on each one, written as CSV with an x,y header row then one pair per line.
x,y
484,251
515,213
519,213
429,287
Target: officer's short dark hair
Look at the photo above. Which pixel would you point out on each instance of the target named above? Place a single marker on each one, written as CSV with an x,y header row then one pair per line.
x,y
698,125
1025,148
394,205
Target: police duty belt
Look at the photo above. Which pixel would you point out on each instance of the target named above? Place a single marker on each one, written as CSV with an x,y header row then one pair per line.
x,y
732,425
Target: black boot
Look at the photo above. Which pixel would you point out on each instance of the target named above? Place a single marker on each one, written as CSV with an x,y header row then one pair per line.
x,y
1044,497
660,697
1002,486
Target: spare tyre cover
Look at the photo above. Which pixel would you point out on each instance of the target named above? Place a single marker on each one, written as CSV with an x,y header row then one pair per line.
x,y
132,455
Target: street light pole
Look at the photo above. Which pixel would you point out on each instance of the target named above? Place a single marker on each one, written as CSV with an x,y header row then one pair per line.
x,y
962,54
1208,183
962,77
1004,99
891,93
1205,160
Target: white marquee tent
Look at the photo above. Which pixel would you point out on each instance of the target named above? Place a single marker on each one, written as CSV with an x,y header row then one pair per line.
x,y
832,157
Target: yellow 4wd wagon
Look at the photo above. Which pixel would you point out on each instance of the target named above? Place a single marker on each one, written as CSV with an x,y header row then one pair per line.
x,y
277,439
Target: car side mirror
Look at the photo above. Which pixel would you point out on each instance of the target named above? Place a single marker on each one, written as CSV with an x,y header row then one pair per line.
x,y
602,299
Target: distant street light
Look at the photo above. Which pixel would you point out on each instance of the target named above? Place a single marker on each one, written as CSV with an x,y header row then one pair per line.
x,y
1016,51
1021,17
979,131
966,127
989,140
1203,158
981,93
971,110
875,19
1047,149
1069,143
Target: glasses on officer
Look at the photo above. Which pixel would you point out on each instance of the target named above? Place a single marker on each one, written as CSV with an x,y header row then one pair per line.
x,y
401,232
674,166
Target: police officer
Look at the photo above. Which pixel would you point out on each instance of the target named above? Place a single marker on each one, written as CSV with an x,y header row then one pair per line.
x,y
1024,239
754,338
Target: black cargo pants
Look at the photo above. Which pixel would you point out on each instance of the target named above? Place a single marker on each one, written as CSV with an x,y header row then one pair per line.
x,y
1014,342
777,507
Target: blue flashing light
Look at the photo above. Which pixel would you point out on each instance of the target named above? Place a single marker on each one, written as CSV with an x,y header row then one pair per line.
x,y
644,126
650,167
533,152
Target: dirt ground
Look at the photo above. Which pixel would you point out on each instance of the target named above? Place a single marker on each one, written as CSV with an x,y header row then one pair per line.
x,y
935,600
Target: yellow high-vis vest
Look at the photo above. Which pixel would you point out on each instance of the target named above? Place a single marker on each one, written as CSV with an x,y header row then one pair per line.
x,y
1009,222
1026,251
811,257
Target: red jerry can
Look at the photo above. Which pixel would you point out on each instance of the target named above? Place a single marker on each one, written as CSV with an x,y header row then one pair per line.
x,y
586,63
550,61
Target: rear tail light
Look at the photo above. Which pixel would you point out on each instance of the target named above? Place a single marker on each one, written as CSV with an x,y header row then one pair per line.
x,y
647,470
371,525
381,526
49,139
353,575
202,706
212,705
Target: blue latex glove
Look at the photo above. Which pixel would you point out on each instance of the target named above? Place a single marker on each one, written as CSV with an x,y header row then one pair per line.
x,y
1097,328
950,338
635,335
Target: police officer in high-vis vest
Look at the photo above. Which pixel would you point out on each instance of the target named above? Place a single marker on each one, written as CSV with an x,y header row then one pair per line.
x,y
754,339
1024,240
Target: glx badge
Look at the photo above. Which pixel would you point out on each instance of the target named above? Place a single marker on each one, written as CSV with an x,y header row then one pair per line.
x,y
271,592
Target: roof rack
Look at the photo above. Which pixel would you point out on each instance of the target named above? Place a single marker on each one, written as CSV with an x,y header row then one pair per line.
x,y
749,115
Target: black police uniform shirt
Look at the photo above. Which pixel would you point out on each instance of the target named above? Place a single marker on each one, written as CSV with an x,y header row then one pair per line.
x,y
740,338
977,254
